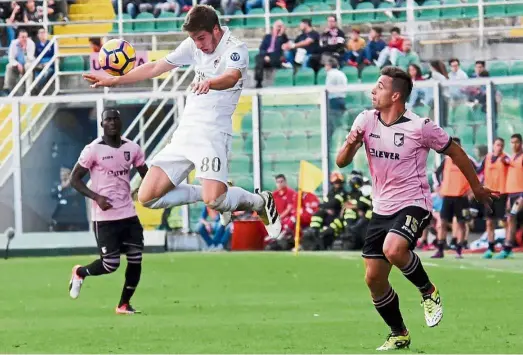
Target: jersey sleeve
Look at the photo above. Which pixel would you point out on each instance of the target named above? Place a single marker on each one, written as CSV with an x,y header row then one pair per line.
x,y
434,137
360,121
182,55
139,157
87,157
238,58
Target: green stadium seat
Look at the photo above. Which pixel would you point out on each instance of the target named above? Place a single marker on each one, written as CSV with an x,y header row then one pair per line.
x,y
283,77
313,2
321,77
466,134
450,131
471,12
347,18
245,182
240,164
237,144
252,58
278,10
314,143
247,146
461,114
382,16
516,68
169,25
295,20
351,73
430,14
365,16
505,131
295,120
497,68
320,20
370,74
494,8
304,77
481,134
297,143
422,111
275,143
146,26
247,123
451,12
313,121
514,9
268,181
3,65
287,165
127,25
72,63
255,22
353,98
237,22
271,121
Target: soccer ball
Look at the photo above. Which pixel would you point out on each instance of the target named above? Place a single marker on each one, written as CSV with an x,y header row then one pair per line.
x,y
117,57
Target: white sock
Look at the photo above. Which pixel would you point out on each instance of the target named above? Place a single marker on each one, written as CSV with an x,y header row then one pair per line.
x,y
238,199
182,194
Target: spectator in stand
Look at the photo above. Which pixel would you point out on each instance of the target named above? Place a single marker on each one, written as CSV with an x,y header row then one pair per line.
x,y
407,56
355,47
31,17
388,53
167,6
253,4
16,17
57,10
335,77
271,53
374,46
438,72
285,200
456,73
229,7
40,45
306,45
332,40
96,44
418,94
354,3
21,55
309,206
479,68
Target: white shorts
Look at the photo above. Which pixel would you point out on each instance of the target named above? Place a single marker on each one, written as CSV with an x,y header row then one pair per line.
x,y
194,148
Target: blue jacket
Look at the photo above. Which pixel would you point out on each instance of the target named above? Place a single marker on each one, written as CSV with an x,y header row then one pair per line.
x,y
373,49
39,47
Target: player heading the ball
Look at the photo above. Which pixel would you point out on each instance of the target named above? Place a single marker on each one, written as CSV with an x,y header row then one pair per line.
x,y
203,138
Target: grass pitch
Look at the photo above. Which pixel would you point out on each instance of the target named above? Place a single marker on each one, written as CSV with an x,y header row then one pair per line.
x,y
254,303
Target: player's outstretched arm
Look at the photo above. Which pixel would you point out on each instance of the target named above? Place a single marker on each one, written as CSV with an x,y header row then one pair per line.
x,y
222,82
143,72
462,161
349,148
77,175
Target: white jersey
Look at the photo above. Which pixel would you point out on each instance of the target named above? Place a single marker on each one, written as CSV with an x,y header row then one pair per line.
x,y
213,110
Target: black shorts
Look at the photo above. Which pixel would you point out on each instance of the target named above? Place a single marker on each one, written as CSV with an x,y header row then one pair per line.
x,y
408,222
499,208
118,236
455,207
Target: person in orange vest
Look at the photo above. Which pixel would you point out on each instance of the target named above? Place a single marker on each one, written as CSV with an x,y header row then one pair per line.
x,y
494,168
514,189
454,188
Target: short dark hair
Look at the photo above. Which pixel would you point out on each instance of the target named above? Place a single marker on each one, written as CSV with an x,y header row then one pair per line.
x,y
333,16
517,136
280,176
308,21
333,62
457,140
97,41
395,29
482,62
378,30
500,139
201,18
22,30
401,81
452,60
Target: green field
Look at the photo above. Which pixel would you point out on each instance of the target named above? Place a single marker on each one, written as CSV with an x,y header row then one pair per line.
x,y
254,303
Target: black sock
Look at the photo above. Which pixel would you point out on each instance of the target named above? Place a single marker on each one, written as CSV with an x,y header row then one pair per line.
x,y
132,277
93,269
491,246
459,247
415,273
441,245
388,306
507,248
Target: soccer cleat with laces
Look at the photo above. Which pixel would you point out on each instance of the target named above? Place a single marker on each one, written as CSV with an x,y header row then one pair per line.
x,y
488,254
269,215
394,342
75,284
431,303
126,309
504,254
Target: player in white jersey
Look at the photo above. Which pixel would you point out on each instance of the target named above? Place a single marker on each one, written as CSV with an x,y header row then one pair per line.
x,y
203,138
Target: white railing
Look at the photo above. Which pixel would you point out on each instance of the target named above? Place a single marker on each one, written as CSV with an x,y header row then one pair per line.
x,y
320,99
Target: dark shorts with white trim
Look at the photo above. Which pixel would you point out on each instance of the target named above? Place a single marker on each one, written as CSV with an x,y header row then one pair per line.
x,y
119,236
408,222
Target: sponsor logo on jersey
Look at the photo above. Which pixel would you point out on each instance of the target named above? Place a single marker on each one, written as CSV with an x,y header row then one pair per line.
x,y
118,172
372,135
399,139
127,156
107,157
216,62
381,154
235,57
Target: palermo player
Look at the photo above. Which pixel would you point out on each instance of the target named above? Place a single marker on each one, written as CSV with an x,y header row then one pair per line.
x,y
397,143
117,229
203,138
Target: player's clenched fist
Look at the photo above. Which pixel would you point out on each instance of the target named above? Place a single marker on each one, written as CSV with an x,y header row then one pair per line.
x,y
355,136
201,87
103,202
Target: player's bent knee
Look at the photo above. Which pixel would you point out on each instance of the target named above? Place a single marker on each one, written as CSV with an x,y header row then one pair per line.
x,y
111,263
215,203
393,251
373,277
